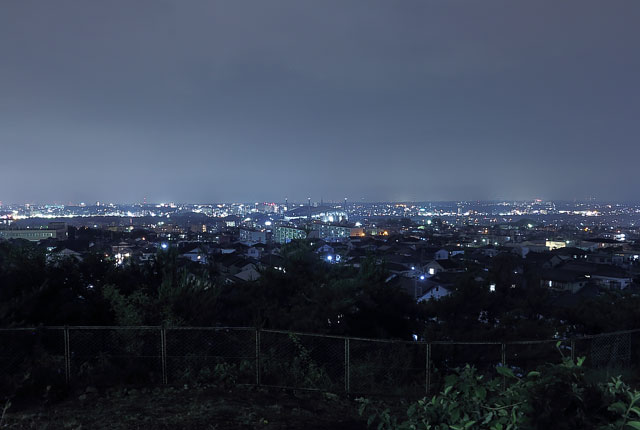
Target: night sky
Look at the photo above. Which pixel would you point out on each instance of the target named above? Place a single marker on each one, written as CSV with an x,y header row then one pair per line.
x,y
205,101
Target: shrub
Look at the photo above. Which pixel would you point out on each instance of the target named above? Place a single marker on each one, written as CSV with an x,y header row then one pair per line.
x,y
554,396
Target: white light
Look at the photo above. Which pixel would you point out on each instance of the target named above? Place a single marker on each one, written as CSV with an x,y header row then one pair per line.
x,y
164,246
413,268
329,258
422,277
267,223
492,287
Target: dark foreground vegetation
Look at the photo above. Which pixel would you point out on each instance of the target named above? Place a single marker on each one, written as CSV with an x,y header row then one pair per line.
x,y
551,397
561,396
306,294
186,408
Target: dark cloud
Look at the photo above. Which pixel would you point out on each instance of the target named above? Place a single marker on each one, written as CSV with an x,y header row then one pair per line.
x,y
257,100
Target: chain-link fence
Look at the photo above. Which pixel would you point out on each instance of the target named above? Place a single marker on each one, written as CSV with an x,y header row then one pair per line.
x,y
202,355
103,356
28,355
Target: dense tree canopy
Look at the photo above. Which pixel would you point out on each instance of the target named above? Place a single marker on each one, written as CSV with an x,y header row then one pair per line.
x,y
305,294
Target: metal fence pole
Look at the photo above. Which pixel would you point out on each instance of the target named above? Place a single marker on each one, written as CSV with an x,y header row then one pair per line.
x,y
573,350
428,366
163,352
504,363
67,356
346,366
257,356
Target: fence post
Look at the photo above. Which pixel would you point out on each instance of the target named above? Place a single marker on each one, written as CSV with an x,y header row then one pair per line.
x,y
428,365
257,356
503,360
573,350
163,352
346,366
67,356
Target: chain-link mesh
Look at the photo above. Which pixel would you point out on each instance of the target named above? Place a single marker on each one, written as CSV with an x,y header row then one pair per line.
x,y
302,361
525,356
148,355
381,367
31,358
211,355
445,357
105,356
611,351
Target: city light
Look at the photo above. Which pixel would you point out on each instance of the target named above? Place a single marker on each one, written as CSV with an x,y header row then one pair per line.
x,y
214,199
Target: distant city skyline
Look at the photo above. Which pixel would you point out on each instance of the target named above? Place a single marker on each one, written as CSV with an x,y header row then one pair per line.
x,y
253,100
304,202
317,202
590,213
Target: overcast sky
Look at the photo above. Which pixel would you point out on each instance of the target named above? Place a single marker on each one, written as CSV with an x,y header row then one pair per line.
x,y
202,101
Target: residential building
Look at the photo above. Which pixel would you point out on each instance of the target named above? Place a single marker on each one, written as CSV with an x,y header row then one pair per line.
x,y
285,234
330,232
253,236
